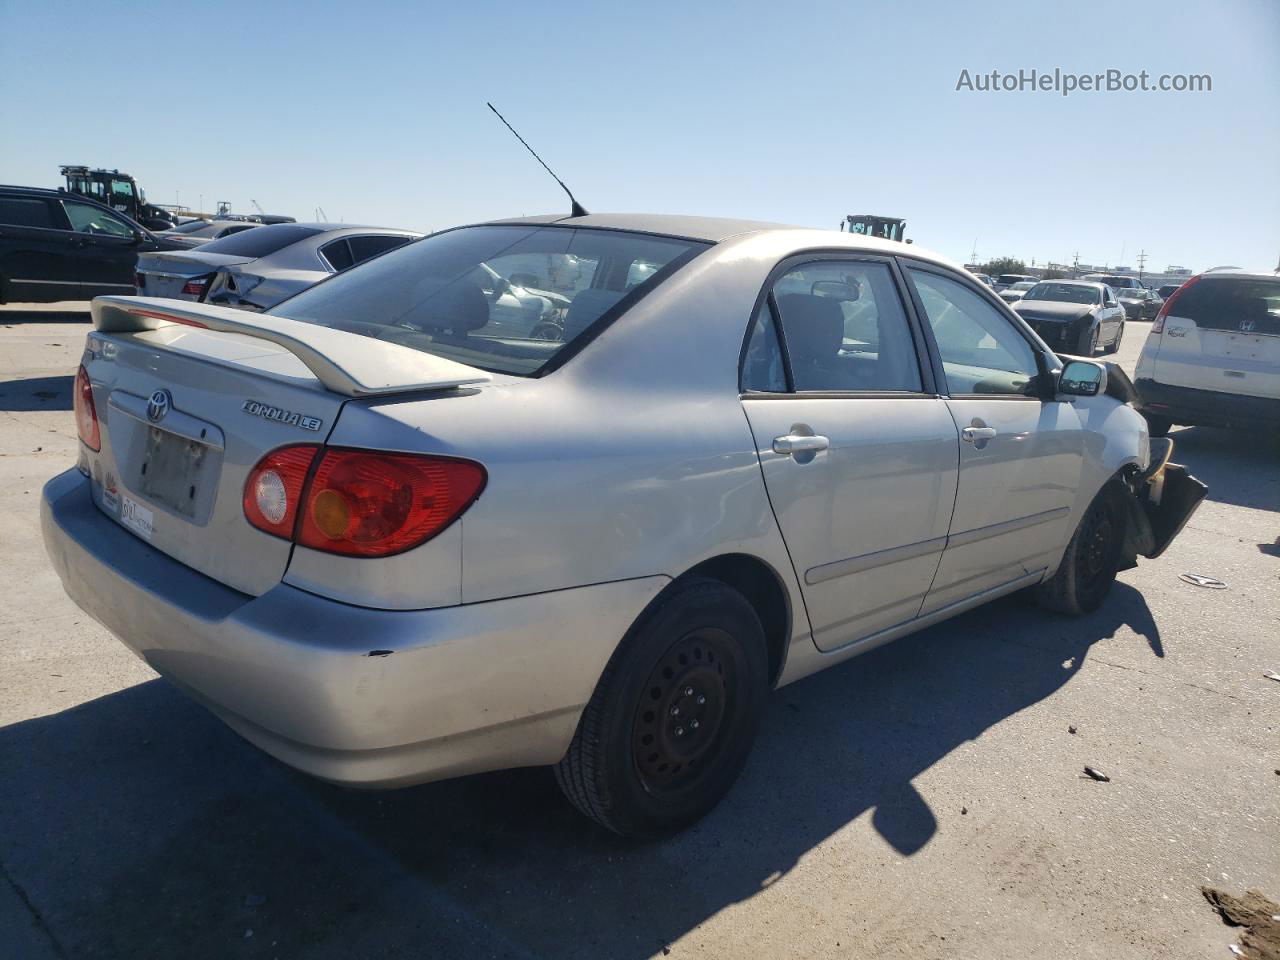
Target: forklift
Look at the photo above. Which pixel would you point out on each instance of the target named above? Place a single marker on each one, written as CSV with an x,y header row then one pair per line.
x,y
870,225
118,191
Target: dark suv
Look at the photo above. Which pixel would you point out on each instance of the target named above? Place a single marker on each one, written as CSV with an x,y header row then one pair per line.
x,y
58,246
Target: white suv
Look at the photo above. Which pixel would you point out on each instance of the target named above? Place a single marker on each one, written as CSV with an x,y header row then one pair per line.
x,y
1213,354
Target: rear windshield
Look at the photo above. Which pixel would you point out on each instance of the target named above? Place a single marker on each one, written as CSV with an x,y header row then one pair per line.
x,y
191,227
1238,304
260,241
1064,293
505,298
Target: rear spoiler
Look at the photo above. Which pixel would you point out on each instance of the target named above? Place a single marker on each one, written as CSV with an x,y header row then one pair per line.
x,y
346,363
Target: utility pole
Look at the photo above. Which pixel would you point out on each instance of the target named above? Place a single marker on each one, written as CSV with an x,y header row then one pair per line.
x,y
1075,262
973,256
1142,262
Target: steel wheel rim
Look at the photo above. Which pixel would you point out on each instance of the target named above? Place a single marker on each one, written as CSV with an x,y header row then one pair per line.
x,y
680,721
1095,546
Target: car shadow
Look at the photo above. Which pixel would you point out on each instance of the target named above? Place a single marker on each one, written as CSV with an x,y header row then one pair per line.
x,y
139,826
36,393
1238,465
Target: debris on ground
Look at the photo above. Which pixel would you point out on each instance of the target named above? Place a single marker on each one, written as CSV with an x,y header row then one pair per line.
x,y
1096,775
1200,580
963,811
1272,675
1260,918
1071,730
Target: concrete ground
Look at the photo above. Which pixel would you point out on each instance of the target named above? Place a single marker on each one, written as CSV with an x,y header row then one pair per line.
x,y
924,801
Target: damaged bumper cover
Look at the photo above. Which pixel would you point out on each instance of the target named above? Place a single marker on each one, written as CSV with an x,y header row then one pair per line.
x,y
1164,497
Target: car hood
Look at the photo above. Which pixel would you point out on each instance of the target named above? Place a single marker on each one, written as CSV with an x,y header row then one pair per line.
x,y
1050,310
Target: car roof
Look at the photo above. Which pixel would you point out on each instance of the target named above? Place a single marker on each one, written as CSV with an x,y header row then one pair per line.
x,y
707,229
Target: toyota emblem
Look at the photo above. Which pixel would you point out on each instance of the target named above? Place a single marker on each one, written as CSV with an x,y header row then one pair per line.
x,y
158,405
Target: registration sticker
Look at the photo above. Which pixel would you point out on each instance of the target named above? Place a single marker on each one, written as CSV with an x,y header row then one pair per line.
x,y
137,517
110,495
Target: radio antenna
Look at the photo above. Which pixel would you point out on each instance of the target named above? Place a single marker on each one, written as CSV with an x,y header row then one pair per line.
x,y
576,209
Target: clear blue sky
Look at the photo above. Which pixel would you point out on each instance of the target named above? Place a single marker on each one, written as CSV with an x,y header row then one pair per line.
x,y
798,112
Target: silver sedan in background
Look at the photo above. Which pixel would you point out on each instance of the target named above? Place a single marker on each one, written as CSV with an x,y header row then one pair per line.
x,y
389,538
257,268
195,233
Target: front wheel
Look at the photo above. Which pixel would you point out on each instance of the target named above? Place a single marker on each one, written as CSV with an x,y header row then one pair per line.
x,y
1115,346
1088,343
1091,561
671,722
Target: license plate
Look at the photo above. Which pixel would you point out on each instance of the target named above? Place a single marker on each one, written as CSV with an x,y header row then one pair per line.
x,y
137,517
172,471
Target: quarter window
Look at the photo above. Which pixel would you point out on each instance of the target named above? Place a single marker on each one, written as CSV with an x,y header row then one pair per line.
x,y
845,328
763,370
337,254
88,219
364,247
982,353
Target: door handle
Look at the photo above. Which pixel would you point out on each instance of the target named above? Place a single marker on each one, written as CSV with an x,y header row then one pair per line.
x,y
794,443
974,434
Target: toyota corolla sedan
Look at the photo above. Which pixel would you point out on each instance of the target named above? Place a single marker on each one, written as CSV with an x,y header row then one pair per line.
x,y
1077,316
389,542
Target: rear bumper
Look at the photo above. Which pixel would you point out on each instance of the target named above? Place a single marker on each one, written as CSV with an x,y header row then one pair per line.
x,y
1191,407
345,693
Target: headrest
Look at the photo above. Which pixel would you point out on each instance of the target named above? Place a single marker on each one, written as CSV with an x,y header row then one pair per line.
x,y
457,305
814,326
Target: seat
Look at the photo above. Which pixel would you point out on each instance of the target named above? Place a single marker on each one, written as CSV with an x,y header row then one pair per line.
x,y
586,308
447,305
814,329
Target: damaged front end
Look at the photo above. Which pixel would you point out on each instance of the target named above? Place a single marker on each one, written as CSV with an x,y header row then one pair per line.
x,y
1162,499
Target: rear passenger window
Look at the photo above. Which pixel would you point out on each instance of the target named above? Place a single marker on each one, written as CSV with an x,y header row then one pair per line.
x,y
362,248
337,254
26,212
845,328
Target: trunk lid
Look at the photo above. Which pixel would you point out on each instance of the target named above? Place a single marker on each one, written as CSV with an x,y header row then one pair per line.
x,y
164,274
188,401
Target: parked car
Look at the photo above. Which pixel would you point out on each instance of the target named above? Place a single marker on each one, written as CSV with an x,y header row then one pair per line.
x,y
1078,316
1167,290
1116,281
198,232
1139,303
1212,357
985,278
257,268
388,545
58,246
1013,293
1009,279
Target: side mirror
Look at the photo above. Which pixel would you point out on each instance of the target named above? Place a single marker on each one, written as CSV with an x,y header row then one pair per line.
x,y
1080,378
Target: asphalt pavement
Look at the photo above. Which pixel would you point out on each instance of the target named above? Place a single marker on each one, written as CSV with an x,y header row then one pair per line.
x,y
927,800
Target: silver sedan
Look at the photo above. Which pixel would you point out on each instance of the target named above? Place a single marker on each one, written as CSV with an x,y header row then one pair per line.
x,y
256,268
389,540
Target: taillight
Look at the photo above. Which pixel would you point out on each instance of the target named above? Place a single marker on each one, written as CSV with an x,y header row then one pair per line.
x,y
1157,325
367,504
273,491
195,286
359,503
86,413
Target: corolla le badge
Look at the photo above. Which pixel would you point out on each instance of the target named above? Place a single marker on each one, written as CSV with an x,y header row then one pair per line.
x,y
159,405
265,410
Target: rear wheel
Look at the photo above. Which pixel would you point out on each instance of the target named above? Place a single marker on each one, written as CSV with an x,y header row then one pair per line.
x,y
672,719
1089,566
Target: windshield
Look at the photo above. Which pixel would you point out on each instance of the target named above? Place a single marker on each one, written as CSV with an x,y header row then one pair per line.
x,y
260,241
503,298
1064,293
1024,285
1130,293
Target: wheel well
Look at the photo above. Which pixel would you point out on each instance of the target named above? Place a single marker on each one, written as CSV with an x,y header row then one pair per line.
x,y
763,589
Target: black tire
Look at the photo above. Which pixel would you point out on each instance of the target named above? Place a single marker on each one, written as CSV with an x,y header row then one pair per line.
x,y
1091,561
1158,426
1087,345
639,769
